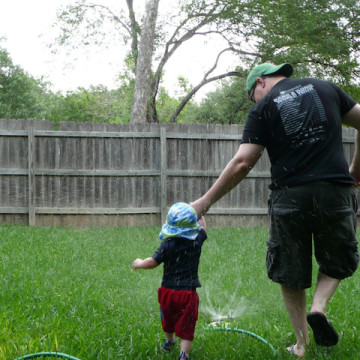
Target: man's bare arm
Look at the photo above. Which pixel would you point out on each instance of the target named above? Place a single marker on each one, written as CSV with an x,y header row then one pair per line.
x,y
235,171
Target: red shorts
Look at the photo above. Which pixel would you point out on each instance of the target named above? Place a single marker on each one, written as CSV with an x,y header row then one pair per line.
x,y
180,310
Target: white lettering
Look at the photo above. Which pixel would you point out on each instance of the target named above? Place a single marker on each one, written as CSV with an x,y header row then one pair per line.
x,y
293,93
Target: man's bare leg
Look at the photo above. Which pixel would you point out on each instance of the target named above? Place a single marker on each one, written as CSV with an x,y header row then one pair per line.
x,y
325,289
295,302
324,332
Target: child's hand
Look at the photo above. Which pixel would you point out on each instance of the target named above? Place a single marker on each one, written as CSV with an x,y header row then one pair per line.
x,y
137,263
148,263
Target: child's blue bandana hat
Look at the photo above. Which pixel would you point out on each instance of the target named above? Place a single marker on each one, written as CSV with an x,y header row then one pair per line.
x,y
181,221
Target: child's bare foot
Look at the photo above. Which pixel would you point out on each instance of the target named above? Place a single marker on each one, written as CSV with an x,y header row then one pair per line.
x,y
296,350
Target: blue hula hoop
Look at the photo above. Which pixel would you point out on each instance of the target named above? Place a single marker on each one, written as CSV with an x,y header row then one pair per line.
x,y
48,354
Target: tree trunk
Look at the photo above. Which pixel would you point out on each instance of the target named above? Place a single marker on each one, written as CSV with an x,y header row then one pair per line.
x,y
143,66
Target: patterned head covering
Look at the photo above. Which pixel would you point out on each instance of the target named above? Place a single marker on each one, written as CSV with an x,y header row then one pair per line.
x,y
181,221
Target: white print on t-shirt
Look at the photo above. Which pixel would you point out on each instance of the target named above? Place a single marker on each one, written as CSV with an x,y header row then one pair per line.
x,y
302,114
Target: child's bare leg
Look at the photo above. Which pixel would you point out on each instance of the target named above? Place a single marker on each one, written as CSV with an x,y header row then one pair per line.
x,y
170,337
185,346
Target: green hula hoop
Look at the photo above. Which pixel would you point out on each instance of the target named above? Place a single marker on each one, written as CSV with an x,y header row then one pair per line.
x,y
49,354
243,332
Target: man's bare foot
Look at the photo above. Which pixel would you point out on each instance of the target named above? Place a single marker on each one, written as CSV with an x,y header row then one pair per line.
x,y
296,350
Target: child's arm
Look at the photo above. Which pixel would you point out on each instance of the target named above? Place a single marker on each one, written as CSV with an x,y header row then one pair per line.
x,y
202,222
148,263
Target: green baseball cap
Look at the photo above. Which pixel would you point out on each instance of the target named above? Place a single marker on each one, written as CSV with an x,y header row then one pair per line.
x,y
267,69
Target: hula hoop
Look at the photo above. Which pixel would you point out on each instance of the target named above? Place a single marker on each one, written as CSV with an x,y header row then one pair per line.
x,y
219,328
49,354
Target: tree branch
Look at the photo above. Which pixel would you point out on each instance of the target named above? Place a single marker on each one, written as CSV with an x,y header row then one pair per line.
x,y
135,30
176,43
196,88
115,17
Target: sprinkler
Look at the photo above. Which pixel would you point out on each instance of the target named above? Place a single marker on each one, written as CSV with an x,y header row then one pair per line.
x,y
221,321
221,325
47,354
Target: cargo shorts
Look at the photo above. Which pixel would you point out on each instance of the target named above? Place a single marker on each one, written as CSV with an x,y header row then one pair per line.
x,y
319,216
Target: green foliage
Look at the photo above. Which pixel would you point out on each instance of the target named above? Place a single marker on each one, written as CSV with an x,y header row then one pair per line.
x,y
320,36
97,104
166,105
21,95
226,105
353,91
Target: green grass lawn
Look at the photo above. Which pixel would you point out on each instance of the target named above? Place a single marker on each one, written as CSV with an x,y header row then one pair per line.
x,y
73,291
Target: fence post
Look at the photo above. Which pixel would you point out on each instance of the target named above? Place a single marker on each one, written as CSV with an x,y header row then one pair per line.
x,y
31,182
163,174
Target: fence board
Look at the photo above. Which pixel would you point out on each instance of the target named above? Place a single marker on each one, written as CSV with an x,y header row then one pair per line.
x,y
121,175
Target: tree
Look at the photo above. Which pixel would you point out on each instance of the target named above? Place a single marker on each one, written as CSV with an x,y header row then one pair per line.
x,y
201,18
143,65
321,38
189,20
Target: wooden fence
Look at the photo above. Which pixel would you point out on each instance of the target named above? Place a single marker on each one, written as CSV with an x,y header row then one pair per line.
x,y
108,175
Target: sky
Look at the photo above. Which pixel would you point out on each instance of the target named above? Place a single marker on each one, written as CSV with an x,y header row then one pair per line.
x,y
28,29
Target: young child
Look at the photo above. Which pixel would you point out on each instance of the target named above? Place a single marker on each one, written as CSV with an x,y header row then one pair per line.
x,y
182,235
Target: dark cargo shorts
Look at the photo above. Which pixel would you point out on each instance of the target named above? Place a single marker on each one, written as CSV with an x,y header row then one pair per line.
x,y
323,212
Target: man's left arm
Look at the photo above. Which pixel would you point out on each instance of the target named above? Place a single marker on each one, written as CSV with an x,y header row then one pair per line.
x,y
352,118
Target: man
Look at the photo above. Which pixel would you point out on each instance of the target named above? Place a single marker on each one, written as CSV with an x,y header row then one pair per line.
x,y
299,122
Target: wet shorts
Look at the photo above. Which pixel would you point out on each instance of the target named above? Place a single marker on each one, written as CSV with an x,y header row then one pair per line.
x,y
323,212
180,309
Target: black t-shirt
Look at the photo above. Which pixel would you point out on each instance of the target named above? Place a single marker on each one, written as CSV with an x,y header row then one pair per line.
x,y
299,123
181,261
